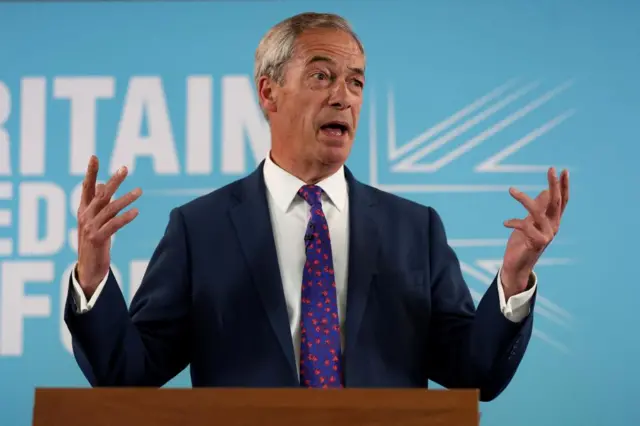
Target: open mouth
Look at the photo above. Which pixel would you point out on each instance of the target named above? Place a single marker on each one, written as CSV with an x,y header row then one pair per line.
x,y
335,128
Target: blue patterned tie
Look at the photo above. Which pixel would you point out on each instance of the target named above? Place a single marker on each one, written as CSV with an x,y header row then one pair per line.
x,y
320,327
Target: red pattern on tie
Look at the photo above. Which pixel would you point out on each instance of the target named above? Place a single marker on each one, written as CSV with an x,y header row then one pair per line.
x,y
320,354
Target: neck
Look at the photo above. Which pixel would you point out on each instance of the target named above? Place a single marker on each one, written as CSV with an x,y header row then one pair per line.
x,y
308,171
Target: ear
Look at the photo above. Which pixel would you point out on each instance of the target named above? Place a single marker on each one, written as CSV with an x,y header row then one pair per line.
x,y
267,92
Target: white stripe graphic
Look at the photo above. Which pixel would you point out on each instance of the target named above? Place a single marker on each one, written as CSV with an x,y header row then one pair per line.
x,y
395,152
409,164
492,164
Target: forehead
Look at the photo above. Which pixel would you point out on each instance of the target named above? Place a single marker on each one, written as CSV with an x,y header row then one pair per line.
x,y
334,44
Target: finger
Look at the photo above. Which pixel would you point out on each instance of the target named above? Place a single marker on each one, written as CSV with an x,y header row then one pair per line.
x,y
113,208
544,224
533,234
96,203
115,224
535,210
564,189
542,200
115,181
89,182
553,206
104,193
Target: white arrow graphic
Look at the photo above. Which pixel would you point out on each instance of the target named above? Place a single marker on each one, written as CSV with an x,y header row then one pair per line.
x,y
448,130
396,152
411,163
494,163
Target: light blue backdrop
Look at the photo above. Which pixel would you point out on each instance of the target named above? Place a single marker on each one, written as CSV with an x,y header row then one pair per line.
x,y
463,100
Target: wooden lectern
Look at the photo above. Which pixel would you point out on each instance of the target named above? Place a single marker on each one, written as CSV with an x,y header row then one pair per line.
x,y
248,407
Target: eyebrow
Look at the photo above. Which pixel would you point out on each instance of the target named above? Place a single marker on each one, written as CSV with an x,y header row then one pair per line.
x,y
314,59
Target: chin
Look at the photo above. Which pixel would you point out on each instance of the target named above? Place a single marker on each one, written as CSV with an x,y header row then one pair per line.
x,y
334,155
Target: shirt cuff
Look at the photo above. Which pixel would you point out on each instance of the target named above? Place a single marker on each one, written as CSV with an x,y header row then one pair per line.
x,y
78,294
519,305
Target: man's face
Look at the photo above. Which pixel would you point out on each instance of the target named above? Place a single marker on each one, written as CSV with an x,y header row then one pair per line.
x,y
316,110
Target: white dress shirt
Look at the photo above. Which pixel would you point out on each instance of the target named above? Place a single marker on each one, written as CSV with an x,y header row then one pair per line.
x,y
289,217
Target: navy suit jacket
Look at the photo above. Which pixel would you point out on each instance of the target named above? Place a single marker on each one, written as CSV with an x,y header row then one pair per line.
x,y
212,298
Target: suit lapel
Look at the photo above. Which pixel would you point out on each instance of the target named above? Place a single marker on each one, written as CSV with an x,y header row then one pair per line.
x,y
363,251
253,227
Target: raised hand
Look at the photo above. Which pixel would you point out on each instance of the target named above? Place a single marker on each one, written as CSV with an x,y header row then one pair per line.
x,y
532,235
98,220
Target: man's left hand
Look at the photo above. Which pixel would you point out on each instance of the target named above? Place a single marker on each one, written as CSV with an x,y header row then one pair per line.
x,y
532,235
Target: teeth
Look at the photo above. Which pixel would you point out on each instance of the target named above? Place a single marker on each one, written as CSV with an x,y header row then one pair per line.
x,y
334,131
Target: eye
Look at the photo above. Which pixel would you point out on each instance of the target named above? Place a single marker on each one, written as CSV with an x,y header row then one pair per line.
x,y
319,76
358,83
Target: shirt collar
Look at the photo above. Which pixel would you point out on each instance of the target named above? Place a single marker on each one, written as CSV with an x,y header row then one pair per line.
x,y
284,187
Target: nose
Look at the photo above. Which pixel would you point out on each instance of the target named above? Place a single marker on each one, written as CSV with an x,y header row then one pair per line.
x,y
339,97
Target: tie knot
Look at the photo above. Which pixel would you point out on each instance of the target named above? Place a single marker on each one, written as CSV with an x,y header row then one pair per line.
x,y
311,193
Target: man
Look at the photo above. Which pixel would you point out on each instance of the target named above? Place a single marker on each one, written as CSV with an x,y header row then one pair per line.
x,y
298,274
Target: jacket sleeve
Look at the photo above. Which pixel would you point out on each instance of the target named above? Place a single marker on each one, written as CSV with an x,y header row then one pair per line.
x,y
468,347
147,344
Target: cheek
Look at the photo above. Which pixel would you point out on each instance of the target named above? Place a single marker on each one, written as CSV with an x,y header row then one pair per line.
x,y
296,106
356,115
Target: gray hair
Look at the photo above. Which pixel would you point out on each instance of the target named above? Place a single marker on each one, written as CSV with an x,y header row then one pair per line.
x,y
277,46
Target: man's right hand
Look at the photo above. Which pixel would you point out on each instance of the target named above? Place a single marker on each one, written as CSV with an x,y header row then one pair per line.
x,y
98,220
